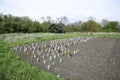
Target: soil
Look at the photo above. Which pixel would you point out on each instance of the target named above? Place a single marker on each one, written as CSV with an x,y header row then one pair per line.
x,y
97,59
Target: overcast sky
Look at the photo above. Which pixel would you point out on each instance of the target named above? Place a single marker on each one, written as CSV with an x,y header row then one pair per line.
x,y
79,9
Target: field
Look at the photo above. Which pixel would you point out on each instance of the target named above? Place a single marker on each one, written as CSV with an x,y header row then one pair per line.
x,y
21,66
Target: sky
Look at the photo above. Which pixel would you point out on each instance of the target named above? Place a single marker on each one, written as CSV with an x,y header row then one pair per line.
x,y
73,9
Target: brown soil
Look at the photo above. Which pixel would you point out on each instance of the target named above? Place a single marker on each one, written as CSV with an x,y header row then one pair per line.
x,y
97,59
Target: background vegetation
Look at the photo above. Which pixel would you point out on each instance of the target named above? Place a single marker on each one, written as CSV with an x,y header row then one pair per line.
x,y
15,24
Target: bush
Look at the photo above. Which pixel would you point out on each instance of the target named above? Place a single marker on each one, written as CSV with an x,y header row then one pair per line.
x,y
56,28
90,26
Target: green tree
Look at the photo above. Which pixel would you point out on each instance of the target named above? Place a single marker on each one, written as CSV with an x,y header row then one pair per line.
x,y
118,27
56,28
90,26
44,26
37,26
26,24
104,23
1,23
111,26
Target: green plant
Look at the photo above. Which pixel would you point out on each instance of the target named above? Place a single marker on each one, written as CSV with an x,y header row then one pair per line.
x,y
56,28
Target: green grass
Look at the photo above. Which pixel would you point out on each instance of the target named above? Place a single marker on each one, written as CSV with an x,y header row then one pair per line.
x,y
13,68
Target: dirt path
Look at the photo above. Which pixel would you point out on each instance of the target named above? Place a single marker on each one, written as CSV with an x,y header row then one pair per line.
x,y
97,59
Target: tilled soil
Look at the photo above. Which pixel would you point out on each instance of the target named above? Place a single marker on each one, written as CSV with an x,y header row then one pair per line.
x,y
97,59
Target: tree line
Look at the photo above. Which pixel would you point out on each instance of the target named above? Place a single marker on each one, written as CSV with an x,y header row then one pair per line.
x,y
15,24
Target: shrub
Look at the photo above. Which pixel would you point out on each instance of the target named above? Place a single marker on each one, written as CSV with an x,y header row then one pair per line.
x,y
56,28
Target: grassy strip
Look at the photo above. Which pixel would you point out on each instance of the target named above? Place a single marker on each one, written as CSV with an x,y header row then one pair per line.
x,y
12,68
114,35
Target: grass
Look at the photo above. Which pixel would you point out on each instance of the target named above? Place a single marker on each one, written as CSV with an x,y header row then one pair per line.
x,y
13,68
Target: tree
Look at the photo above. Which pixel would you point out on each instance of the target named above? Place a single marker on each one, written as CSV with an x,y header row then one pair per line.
x,y
37,27
112,26
44,26
12,24
62,20
49,19
26,24
118,27
91,26
104,23
1,23
56,28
